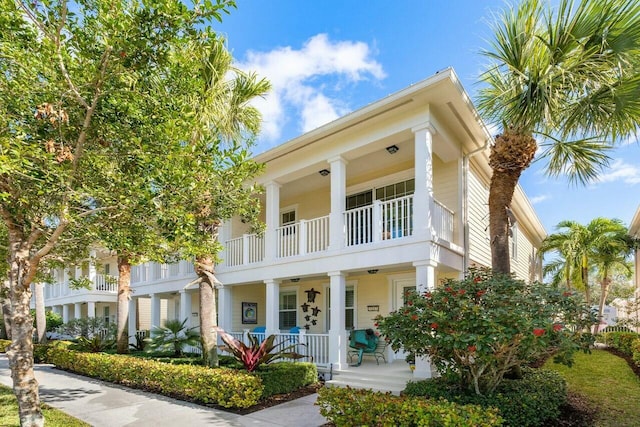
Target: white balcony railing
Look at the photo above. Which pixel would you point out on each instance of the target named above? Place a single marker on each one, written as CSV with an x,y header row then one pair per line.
x,y
392,219
443,222
106,283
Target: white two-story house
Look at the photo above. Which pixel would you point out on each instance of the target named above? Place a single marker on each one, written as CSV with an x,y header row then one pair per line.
x,y
390,197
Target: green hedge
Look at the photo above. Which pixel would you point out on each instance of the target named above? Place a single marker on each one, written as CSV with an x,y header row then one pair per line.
x,y
622,341
351,407
284,377
527,402
3,345
222,386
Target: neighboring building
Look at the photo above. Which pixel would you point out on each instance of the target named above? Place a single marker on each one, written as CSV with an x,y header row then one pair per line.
x,y
634,231
388,198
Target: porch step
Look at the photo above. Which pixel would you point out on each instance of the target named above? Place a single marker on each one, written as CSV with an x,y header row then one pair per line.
x,y
386,377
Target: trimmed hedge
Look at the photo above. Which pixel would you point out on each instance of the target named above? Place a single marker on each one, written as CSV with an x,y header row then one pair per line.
x,y
225,387
351,407
527,402
4,344
284,377
622,341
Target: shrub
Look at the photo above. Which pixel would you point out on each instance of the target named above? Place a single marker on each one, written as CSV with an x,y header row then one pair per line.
x,y
174,335
530,401
87,327
471,330
636,351
350,407
53,320
285,377
622,341
259,352
225,387
4,344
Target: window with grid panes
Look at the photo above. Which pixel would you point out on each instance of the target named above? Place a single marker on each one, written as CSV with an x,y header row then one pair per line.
x,y
288,310
349,308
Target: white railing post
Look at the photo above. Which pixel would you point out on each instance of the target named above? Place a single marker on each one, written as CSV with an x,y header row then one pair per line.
x,y
302,244
378,225
245,336
245,249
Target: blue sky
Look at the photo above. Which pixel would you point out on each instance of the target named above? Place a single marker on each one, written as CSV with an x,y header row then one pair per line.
x,y
326,58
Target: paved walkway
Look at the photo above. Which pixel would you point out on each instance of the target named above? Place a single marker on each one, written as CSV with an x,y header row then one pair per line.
x,y
103,404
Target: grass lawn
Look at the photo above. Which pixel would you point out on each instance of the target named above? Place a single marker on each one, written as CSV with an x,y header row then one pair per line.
x,y
53,417
608,382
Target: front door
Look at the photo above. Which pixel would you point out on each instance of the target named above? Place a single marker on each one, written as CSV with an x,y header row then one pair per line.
x,y
400,289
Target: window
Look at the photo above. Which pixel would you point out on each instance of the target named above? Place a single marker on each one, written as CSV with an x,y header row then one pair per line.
x,y
395,191
288,217
106,315
288,310
107,269
349,308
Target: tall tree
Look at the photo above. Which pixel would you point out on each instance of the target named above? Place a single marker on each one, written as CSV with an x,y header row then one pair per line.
x,y
566,79
215,178
62,67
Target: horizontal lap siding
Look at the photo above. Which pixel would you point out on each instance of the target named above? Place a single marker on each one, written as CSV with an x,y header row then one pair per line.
x,y
479,248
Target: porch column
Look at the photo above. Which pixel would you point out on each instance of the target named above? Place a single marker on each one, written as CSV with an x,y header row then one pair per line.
x,y
92,268
425,275
65,313
425,281
423,206
338,202
91,309
155,310
225,308
273,307
133,315
185,307
272,220
337,333
224,236
77,310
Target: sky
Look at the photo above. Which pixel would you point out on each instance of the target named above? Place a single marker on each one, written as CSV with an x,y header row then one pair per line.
x,y
327,58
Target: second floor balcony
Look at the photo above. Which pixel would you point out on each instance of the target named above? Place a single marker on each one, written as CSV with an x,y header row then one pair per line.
x,y
101,283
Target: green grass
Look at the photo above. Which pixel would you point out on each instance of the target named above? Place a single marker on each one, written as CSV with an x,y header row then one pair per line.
x,y
608,382
53,417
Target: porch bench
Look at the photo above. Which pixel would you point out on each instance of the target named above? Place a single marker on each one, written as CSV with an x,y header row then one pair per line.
x,y
379,352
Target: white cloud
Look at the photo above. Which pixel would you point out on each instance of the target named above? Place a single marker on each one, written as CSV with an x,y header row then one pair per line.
x,y
537,199
298,79
621,171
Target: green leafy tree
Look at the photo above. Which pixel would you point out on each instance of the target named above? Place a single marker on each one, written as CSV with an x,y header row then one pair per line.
x,y
563,79
65,72
478,329
174,335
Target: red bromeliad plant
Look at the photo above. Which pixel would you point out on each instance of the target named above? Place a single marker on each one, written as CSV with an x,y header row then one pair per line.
x,y
479,328
258,353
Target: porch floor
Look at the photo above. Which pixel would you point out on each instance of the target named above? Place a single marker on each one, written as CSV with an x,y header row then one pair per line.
x,y
386,377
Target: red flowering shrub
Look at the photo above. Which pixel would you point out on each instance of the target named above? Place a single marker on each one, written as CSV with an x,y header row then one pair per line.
x,y
483,326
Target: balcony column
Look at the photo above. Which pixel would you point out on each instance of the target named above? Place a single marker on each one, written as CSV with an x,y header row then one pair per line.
x,y
133,316
77,310
425,281
185,307
155,310
423,206
225,308
92,268
338,341
338,203
224,235
91,309
272,221
273,307
65,313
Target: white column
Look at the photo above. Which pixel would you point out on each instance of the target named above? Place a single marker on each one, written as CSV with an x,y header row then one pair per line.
x,y
77,310
92,268
338,202
155,310
225,308
423,196
185,307
425,281
272,220
273,306
224,235
337,333
91,309
133,315
65,313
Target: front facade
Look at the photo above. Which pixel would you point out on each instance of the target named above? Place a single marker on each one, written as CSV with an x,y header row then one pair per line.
x,y
388,198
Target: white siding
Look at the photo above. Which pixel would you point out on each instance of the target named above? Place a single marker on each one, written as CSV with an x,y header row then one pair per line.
x,y
525,264
479,248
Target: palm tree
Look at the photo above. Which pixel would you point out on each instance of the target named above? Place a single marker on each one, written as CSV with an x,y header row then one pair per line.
x,y
174,335
566,80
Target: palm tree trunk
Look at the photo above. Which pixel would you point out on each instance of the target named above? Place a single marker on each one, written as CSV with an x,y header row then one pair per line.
x,y
585,281
503,184
605,286
20,353
124,294
41,316
208,326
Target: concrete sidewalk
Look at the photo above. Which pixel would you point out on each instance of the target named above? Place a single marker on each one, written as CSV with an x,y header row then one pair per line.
x,y
103,404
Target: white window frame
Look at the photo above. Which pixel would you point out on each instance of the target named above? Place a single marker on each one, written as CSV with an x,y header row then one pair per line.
x,y
288,310
351,285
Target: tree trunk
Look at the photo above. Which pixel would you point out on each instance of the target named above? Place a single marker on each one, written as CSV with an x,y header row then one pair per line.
x,y
510,155
208,326
585,281
41,316
5,333
605,286
124,295
20,353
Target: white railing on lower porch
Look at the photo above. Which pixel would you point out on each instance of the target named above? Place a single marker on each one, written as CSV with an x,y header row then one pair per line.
x,y
443,221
